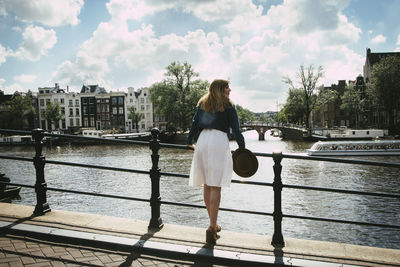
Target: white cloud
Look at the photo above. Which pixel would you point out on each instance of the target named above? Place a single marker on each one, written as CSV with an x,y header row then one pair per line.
x,y
4,53
25,78
123,10
36,42
47,12
11,89
379,39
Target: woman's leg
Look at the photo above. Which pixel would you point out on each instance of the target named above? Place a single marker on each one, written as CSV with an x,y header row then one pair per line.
x,y
214,199
207,198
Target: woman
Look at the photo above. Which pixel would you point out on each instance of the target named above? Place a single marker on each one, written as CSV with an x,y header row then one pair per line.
x,y
212,160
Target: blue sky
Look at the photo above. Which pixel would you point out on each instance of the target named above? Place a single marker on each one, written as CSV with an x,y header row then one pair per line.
x,y
129,43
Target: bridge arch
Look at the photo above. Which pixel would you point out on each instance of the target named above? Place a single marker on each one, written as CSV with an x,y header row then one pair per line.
x,y
289,131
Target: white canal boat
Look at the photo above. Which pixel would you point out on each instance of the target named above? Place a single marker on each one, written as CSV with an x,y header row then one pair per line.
x,y
356,148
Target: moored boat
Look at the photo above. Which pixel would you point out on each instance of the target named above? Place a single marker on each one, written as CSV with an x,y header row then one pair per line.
x,y
356,148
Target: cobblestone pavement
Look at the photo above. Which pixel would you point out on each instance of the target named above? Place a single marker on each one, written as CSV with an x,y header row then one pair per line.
x,y
26,251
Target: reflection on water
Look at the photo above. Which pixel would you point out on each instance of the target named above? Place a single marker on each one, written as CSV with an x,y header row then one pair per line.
x,y
257,198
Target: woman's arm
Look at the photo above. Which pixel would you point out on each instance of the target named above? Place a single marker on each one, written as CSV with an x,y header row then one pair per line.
x,y
234,124
193,128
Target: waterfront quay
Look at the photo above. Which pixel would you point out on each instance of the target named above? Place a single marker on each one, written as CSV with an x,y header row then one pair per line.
x,y
64,238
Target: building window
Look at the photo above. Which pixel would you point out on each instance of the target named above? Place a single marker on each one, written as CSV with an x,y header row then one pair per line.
x,y
63,110
71,112
41,102
76,102
121,110
71,122
91,100
113,101
77,111
120,100
77,122
114,110
141,100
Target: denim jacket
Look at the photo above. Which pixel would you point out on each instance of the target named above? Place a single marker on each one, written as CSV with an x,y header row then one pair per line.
x,y
220,121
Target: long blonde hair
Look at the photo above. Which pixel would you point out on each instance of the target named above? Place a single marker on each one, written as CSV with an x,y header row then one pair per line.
x,y
215,100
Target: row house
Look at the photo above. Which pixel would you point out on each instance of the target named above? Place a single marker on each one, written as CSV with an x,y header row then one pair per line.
x,y
88,104
330,115
141,101
69,104
117,108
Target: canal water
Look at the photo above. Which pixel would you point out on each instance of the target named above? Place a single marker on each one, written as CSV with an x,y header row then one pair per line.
x,y
238,196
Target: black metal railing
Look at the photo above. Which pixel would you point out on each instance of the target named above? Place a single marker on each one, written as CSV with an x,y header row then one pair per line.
x,y
155,173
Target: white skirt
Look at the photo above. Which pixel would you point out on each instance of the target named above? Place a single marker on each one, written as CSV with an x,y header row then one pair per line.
x,y
212,160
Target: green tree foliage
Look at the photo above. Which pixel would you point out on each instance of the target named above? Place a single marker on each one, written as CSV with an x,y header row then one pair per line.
x,y
177,95
385,89
53,114
19,113
353,103
308,79
294,109
134,116
244,114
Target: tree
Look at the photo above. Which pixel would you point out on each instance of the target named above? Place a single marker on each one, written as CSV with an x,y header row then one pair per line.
x,y
134,116
21,109
308,80
244,114
385,87
353,103
293,110
176,96
53,114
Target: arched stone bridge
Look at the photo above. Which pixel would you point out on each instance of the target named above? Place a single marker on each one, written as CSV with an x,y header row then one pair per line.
x,y
289,131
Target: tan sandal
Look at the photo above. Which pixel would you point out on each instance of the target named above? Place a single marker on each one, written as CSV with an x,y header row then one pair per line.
x,y
211,236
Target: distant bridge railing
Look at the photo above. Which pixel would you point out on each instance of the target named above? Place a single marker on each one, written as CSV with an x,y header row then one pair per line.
x,y
155,173
272,125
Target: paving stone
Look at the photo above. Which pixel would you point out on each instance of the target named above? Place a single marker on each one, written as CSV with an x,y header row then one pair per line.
x,y
16,264
57,264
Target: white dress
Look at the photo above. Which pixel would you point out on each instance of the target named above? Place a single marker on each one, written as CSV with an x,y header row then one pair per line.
x,y
212,160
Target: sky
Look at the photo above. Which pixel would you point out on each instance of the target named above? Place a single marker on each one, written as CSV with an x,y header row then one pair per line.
x,y
129,43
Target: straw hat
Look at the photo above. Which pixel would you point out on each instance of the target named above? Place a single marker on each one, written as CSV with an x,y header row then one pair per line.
x,y
245,163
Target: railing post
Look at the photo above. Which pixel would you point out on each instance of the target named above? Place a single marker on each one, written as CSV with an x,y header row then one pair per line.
x,y
155,200
40,186
277,238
